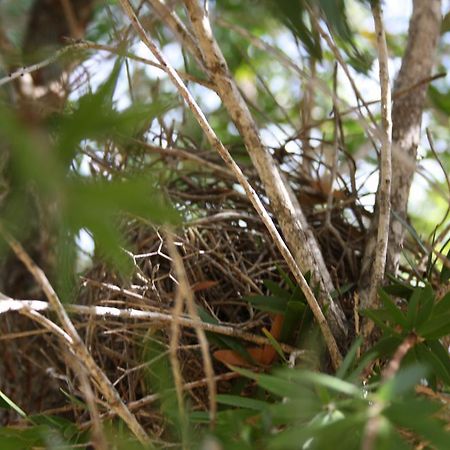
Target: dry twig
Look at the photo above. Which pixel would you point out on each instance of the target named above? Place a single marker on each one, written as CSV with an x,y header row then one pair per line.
x,y
224,153
77,345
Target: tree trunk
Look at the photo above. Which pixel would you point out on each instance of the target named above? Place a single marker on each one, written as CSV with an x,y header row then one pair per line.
x,y
417,63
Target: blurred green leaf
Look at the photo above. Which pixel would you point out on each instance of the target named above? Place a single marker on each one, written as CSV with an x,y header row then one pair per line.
x,y
403,382
396,316
6,402
268,303
420,306
242,402
434,356
440,100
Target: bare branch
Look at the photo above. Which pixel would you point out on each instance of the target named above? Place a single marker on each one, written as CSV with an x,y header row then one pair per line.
x,y
77,345
409,97
384,185
185,290
283,202
417,64
253,197
170,18
159,318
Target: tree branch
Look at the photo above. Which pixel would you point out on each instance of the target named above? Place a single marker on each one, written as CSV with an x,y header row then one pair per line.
x,y
251,194
384,185
417,63
283,202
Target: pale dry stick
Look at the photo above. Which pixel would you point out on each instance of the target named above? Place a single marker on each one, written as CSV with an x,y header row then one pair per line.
x,y
186,291
417,63
253,197
130,313
77,345
176,313
169,17
283,201
334,48
384,186
98,437
88,45
34,67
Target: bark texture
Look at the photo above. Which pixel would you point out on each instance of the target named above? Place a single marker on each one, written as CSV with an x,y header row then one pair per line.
x,y
417,64
283,202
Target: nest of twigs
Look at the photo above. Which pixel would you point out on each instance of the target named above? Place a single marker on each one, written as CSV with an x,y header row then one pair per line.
x,y
227,254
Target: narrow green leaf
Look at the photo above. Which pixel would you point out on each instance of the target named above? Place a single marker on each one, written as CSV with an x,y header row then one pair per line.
x,y
420,306
436,327
275,344
277,290
327,381
349,358
242,402
396,315
6,401
272,303
429,358
404,381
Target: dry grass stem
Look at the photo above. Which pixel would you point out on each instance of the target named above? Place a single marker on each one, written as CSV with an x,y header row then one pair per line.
x,y
185,290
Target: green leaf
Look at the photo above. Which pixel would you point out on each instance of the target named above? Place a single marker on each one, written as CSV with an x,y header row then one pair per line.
x,y
277,290
221,341
6,402
436,357
445,272
442,306
440,100
398,288
268,303
274,384
242,402
379,317
417,414
349,359
404,381
292,319
275,344
436,327
420,306
327,381
395,313
386,346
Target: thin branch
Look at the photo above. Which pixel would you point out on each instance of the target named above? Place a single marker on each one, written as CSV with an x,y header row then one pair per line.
x,y
9,305
253,197
98,437
170,18
88,45
177,311
186,291
384,186
77,345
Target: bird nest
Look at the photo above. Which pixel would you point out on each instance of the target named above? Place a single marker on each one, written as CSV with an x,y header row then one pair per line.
x,y
227,255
